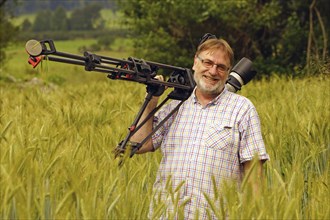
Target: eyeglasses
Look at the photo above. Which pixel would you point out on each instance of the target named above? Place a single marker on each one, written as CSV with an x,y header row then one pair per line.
x,y
209,64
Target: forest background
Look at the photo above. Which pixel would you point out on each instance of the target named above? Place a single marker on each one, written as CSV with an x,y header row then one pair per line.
x,y
282,37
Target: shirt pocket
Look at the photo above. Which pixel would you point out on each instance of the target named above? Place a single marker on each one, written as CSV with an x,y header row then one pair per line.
x,y
220,136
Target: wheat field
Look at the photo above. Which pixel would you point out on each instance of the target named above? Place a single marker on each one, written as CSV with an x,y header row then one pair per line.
x,y
57,142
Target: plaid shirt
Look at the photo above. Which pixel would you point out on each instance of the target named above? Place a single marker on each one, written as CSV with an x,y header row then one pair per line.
x,y
200,142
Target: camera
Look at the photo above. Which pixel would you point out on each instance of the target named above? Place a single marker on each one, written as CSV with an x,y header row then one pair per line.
x,y
240,74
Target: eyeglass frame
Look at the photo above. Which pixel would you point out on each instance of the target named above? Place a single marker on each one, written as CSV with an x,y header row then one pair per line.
x,y
211,63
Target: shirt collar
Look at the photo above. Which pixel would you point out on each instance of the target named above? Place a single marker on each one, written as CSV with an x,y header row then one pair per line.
x,y
215,101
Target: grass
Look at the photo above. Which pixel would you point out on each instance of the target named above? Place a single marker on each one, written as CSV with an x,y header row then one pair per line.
x,y
57,147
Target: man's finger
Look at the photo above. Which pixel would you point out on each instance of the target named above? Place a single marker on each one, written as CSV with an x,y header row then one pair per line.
x,y
159,77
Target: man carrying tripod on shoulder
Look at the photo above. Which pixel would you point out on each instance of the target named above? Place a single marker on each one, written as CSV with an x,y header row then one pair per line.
x,y
215,134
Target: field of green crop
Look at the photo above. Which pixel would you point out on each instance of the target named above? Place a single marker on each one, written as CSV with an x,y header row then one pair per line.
x,y
57,142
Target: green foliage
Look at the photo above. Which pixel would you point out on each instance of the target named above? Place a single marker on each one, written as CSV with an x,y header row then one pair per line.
x,y
106,41
72,35
7,32
105,28
43,21
26,25
86,18
33,6
273,33
165,31
59,21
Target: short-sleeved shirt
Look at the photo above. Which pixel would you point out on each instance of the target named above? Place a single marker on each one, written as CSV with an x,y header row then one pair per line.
x,y
200,143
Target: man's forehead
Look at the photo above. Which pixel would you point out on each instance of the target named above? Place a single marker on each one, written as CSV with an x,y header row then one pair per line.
x,y
215,55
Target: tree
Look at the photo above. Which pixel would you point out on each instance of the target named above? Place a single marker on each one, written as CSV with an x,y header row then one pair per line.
x,y
272,33
26,25
7,30
59,21
165,31
42,21
313,10
85,18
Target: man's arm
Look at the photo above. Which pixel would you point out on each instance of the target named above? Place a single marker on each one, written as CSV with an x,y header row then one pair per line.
x,y
146,129
255,174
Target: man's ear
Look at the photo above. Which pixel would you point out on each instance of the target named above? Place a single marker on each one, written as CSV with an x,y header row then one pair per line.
x,y
195,61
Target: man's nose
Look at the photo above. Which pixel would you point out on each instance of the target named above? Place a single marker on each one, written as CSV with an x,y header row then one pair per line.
x,y
213,70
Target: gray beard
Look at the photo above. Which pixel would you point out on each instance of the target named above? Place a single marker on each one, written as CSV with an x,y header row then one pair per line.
x,y
214,91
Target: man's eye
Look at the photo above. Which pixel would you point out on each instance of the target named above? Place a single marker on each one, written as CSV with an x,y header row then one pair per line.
x,y
208,62
222,68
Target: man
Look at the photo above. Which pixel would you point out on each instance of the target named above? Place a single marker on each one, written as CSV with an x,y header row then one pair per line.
x,y
214,134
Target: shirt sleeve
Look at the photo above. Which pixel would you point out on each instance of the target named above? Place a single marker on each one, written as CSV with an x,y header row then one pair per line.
x,y
251,143
158,136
